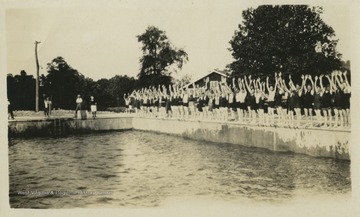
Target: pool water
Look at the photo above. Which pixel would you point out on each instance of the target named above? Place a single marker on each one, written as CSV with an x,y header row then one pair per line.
x,y
142,169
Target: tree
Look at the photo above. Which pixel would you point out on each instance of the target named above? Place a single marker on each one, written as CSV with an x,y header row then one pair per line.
x,y
63,83
118,85
292,39
158,57
21,91
184,80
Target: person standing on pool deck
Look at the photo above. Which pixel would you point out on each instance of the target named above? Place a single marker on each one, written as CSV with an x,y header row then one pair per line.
x,y
10,111
93,108
346,100
271,98
338,100
278,100
241,97
318,92
250,100
297,92
308,98
46,107
326,101
79,102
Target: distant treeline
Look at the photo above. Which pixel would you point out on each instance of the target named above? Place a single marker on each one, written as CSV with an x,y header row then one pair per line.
x,y
62,84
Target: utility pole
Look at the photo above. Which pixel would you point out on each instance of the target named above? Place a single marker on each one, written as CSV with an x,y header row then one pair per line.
x,y
37,78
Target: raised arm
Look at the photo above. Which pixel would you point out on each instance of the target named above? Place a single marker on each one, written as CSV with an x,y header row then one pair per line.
x,y
267,84
339,73
312,84
337,79
240,82
233,84
330,83
247,85
346,80
276,84
291,83
258,84
333,81
284,85
321,82
303,82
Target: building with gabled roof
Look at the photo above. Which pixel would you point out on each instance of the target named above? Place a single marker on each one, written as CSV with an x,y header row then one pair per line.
x,y
213,78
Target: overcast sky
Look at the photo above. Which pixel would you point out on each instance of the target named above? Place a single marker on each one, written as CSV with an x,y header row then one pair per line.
x,y
101,43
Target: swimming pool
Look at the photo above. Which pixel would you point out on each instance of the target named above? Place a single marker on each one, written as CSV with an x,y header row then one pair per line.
x,y
143,169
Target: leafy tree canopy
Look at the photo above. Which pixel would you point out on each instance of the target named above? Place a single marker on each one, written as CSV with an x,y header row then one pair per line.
x,y
159,56
292,39
63,83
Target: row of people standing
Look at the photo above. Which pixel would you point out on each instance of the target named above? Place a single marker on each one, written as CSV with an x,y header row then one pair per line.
x,y
254,100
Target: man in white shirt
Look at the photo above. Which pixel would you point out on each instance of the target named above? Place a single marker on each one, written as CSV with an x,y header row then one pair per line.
x,y
79,101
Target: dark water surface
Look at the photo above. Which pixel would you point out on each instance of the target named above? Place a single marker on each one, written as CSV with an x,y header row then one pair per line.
x,y
140,169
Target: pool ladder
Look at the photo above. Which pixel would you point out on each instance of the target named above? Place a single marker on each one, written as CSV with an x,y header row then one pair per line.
x,y
58,127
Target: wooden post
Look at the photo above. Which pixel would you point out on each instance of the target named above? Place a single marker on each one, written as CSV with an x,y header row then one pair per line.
x,y
37,78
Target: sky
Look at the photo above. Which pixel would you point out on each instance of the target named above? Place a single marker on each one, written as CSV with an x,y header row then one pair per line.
x,y
102,43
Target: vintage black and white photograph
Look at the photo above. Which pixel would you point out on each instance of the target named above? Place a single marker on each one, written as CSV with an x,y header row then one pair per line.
x,y
203,106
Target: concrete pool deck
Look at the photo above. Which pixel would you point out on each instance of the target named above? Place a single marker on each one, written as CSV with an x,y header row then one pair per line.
x,y
319,142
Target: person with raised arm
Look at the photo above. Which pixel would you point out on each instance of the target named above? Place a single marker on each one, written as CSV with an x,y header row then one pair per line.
x,y
186,103
259,100
271,98
279,92
326,101
163,101
233,108
168,102
338,99
217,96
198,99
150,101
206,107
228,102
284,101
211,104
236,102
180,94
127,103
174,101
308,98
262,102
200,103
143,101
222,101
346,99
239,98
290,102
250,100
318,92
296,94
345,105
243,95
191,101
205,101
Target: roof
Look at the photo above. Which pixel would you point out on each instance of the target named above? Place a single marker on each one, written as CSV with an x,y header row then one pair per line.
x,y
222,73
